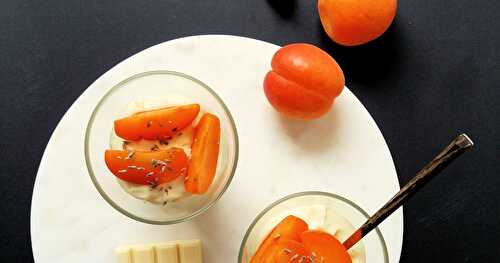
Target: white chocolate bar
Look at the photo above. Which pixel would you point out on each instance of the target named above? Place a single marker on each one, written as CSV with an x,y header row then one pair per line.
x,y
167,253
124,255
188,251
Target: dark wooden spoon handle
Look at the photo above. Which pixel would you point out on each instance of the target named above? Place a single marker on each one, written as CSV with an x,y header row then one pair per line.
x,y
450,153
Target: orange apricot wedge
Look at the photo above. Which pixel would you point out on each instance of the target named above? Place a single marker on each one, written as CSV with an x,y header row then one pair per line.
x,y
289,228
147,168
287,251
156,124
325,247
204,155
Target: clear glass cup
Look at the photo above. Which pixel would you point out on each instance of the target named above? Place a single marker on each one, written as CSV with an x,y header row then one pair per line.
x,y
375,249
151,86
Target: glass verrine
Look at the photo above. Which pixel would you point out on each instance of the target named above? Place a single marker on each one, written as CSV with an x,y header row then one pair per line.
x,y
150,87
373,245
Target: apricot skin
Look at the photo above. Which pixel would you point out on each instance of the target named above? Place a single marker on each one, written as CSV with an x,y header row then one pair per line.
x,y
356,22
303,82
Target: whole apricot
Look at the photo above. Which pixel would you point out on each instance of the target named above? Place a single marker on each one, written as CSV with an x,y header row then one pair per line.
x,y
303,82
356,22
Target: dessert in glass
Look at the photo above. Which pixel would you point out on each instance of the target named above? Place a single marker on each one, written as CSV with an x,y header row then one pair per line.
x,y
310,227
161,147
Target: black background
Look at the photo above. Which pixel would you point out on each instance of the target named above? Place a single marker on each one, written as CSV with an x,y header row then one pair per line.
x,y
435,73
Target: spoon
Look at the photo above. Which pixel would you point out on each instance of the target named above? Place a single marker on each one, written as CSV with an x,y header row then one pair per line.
x,y
458,146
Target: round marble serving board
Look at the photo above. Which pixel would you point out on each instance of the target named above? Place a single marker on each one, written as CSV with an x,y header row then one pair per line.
x,y
343,152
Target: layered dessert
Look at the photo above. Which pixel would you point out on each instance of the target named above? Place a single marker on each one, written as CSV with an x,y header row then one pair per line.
x,y
308,234
164,154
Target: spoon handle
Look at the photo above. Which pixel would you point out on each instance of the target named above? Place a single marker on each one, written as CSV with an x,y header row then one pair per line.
x,y
458,146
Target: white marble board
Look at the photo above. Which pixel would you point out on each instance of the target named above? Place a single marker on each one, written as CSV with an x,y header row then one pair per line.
x,y
343,152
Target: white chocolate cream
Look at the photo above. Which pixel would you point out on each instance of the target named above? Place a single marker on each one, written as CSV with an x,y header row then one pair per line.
x,y
167,192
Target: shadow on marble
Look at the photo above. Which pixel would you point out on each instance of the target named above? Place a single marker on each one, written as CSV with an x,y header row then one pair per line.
x,y
312,136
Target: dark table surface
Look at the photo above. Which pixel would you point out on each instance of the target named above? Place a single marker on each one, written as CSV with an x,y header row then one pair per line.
x,y
435,73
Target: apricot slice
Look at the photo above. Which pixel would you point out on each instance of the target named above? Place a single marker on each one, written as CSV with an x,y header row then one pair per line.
x,y
147,168
325,247
289,228
156,124
204,155
287,251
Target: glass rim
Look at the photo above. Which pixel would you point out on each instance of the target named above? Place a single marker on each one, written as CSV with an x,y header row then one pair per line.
x,y
109,200
310,193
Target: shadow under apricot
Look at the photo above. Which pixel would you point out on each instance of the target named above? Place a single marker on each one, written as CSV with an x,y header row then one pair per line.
x,y
371,63
312,136
284,8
